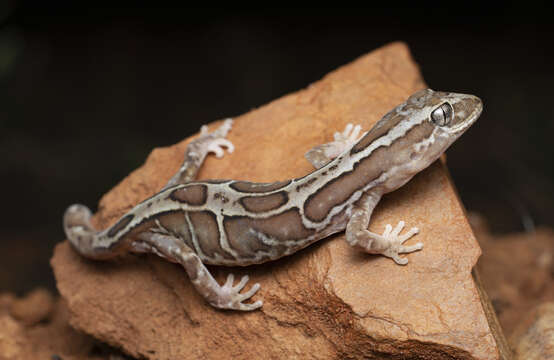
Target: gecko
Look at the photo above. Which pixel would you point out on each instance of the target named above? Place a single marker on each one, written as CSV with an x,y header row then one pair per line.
x,y
239,223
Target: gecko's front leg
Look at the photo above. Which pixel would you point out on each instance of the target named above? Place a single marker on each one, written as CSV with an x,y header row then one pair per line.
x,y
174,250
320,155
389,244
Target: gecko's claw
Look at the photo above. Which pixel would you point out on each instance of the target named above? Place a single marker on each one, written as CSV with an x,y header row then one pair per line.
x,y
229,296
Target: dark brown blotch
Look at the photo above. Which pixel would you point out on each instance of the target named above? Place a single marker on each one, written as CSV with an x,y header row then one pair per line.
x,y
382,127
242,232
205,228
176,224
251,187
194,195
242,239
258,204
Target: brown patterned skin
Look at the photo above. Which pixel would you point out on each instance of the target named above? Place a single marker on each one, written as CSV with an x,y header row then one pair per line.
x,y
233,223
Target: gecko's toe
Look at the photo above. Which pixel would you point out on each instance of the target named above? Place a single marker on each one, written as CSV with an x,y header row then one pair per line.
x,y
249,307
400,260
250,293
230,280
242,283
410,248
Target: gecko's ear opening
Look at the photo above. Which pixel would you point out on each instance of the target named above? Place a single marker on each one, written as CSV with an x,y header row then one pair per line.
x,y
442,115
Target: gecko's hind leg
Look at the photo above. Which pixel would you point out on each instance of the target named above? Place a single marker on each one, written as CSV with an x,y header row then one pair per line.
x,y
389,244
196,152
322,154
173,249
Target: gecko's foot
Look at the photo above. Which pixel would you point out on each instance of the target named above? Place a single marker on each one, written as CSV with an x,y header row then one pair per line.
x,y
197,149
229,296
349,136
215,141
395,241
322,154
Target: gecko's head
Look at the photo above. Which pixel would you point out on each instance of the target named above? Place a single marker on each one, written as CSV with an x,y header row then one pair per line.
x,y
414,134
418,131
443,117
452,113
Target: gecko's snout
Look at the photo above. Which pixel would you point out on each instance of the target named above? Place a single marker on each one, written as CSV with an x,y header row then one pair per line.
x,y
474,103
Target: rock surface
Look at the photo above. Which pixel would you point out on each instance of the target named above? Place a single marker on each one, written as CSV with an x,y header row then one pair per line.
x,y
517,271
36,327
327,301
536,334
33,308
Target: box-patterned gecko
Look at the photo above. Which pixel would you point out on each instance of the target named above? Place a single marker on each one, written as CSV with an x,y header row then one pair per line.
x,y
227,222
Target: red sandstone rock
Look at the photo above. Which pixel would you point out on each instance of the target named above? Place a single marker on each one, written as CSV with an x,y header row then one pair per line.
x,y
22,337
327,301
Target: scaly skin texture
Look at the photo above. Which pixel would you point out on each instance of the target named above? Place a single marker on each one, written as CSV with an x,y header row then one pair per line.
x,y
234,223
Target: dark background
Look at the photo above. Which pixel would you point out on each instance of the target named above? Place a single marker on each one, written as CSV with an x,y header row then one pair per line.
x,y
87,92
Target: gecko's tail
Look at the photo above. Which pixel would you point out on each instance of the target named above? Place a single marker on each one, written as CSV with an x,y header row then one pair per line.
x,y
80,233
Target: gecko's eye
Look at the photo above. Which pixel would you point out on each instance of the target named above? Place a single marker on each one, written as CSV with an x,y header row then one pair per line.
x,y
442,115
